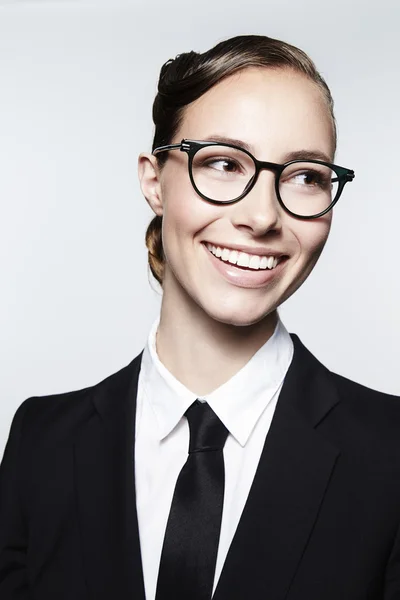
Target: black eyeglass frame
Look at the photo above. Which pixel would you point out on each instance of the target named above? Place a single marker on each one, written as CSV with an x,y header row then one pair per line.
x,y
191,147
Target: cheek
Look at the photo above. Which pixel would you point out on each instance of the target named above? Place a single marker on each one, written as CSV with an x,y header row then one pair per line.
x,y
312,236
177,205
185,215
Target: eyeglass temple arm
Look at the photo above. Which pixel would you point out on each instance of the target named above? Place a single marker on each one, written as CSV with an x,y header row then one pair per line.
x,y
168,147
346,177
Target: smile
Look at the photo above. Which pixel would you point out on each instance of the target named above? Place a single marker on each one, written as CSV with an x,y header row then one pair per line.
x,y
242,259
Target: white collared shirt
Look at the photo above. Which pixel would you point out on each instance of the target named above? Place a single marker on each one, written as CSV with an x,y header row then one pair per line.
x,y
245,404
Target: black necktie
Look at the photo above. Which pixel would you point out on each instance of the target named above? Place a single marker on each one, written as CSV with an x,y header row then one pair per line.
x,y
189,553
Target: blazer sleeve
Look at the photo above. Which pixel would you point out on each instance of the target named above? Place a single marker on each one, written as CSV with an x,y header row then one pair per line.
x,y
13,532
392,576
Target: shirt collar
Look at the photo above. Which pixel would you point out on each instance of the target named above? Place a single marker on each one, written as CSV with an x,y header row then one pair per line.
x,y
239,402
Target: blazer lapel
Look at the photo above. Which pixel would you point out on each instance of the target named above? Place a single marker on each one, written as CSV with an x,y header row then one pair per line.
x,y
288,488
105,486
277,521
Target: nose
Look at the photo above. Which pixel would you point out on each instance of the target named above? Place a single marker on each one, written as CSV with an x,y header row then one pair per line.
x,y
260,210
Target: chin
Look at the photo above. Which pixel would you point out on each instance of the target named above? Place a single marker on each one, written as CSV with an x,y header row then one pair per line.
x,y
239,316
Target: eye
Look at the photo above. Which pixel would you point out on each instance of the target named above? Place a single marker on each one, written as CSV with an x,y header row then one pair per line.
x,y
228,165
308,178
223,163
311,178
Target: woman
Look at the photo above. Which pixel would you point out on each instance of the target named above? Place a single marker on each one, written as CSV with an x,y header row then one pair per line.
x,y
225,460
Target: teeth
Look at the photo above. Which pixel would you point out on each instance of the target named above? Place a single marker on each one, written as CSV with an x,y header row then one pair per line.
x,y
242,259
233,256
254,262
225,254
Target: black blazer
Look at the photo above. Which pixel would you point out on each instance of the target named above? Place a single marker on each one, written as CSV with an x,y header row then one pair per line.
x,y
321,521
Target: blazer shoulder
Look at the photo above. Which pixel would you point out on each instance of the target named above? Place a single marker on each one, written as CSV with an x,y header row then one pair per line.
x,y
39,413
362,393
350,408
377,410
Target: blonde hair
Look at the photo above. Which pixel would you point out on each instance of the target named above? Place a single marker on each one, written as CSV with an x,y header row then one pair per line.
x,y
191,74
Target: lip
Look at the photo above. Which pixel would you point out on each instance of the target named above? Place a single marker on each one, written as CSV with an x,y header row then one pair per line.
x,y
245,278
256,250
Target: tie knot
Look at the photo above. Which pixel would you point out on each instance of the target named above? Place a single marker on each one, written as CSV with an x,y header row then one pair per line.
x,y
207,432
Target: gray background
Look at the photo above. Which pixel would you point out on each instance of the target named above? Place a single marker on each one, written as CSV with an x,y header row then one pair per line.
x,y
77,80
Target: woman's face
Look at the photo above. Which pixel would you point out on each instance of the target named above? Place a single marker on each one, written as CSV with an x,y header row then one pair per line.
x,y
276,113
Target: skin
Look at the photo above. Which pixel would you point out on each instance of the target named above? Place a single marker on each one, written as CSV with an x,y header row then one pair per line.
x,y
210,328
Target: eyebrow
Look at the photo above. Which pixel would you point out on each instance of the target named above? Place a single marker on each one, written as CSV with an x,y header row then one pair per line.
x,y
294,155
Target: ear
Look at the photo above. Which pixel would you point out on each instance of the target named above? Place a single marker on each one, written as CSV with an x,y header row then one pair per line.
x,y
149,177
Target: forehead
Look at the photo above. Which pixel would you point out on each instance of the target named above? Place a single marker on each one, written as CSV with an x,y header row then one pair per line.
x,y
273,110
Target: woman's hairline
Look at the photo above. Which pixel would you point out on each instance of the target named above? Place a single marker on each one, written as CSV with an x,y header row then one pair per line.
x,y
180,113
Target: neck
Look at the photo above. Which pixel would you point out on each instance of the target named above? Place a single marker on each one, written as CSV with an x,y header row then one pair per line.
x,y
203,353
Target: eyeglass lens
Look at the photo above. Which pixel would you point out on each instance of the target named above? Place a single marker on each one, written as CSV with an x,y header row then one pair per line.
x,y
221,173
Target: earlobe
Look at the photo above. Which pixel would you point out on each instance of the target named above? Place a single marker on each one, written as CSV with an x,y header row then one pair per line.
x,y
149,177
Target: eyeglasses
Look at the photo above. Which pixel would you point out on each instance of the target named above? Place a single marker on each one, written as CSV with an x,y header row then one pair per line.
x,y
225,173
